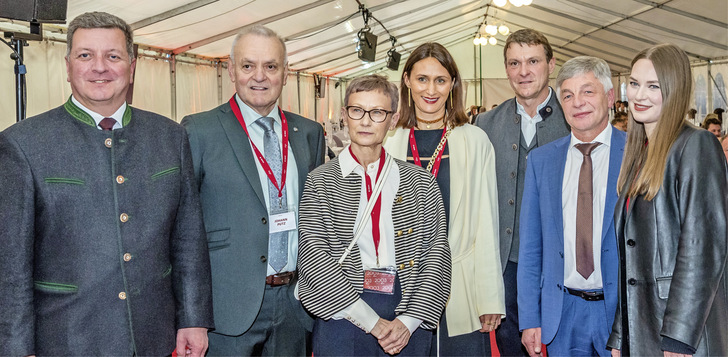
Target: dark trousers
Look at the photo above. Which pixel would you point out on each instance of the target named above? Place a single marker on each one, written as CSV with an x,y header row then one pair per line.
x,y
277,331
583,330
343,338
475,343
507,336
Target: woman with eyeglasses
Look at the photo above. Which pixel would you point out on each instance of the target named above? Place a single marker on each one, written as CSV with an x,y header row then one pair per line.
x,y
373,258
433,132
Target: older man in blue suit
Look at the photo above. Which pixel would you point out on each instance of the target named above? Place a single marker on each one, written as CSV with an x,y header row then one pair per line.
x,y
567,276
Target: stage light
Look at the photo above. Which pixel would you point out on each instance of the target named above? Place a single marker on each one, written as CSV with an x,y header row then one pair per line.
x,y
393,59
367,45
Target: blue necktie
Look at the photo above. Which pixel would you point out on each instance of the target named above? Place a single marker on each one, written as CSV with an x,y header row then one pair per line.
x,y
277,242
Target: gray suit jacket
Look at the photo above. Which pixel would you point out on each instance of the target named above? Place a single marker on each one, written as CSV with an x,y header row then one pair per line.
x,y
236,217
503,126
103,242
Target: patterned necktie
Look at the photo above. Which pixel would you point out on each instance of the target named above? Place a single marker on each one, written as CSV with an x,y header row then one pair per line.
x,y
584,215
277,242
107,124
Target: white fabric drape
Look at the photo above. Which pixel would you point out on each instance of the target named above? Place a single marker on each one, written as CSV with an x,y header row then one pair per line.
x,y
45,80
196,89
152,86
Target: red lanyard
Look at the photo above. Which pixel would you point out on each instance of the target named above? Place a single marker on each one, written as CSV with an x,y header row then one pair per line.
x,y
284,124
378,204
416,154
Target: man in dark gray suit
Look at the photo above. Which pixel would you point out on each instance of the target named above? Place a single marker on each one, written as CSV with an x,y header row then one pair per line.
x,y
517,126
251,160
103,246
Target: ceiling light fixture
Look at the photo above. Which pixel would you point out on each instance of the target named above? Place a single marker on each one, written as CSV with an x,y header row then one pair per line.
x,y
504,30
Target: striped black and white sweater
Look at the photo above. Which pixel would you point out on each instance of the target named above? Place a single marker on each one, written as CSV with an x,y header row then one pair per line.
x,y
327,215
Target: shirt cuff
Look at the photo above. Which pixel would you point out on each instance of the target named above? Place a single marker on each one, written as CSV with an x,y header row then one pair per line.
x,y
672,345
412,323
360,314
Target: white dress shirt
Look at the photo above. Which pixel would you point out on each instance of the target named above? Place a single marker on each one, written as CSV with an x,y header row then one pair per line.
x,y
570,188
257,133
360,311
118,115
528,123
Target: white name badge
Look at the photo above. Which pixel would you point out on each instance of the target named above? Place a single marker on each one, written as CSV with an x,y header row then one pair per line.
x,y
282,222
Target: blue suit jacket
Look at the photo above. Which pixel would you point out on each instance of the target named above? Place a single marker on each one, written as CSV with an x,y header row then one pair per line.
x,y
541,255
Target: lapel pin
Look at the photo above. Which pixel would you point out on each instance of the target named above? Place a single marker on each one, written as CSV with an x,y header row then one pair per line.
x,y
295,128
399,199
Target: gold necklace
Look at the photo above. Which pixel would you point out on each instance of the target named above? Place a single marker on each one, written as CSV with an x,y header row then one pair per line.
x,y
430,122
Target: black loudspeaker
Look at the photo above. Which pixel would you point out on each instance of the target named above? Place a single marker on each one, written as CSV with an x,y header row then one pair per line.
x,y
393,59
367,46
43,11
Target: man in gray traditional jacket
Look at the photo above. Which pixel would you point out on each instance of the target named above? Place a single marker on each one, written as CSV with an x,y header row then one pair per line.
x,y
103,245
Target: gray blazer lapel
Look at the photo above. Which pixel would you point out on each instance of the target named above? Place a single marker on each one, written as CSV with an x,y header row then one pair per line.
x,y
300,149
547,130
240,145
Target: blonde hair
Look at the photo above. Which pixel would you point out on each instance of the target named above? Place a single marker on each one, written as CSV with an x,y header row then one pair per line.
x,y
643,166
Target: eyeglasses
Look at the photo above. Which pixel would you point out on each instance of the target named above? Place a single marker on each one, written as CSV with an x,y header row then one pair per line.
x,y
376,115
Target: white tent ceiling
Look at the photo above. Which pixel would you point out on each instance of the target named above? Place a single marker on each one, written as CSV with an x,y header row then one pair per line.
x,y
321,34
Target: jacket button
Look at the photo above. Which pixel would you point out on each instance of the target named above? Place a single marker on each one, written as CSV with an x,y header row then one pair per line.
x,y
561,254
107,142
127,257
515,147
513,174
263,258
122,295
518,120
631,281
124,217
510,202
509,231
630,242
120,179
264,220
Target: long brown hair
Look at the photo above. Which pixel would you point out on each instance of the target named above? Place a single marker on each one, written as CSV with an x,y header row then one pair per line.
x,y
644,165
454,106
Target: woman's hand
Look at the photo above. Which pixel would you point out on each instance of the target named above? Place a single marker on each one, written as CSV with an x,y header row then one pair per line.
x,y
490,322
395,337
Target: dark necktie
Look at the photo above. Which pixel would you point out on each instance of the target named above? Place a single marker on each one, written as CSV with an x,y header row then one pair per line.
x,y
107,124
277,242
584,214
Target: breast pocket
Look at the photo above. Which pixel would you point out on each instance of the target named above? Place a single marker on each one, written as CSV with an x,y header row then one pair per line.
x,y
62,191
218,239
172,171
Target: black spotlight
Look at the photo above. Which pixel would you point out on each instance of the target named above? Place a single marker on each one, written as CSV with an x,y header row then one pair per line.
x,y
393,59
367,46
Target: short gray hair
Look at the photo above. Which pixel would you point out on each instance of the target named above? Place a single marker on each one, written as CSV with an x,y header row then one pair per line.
x,y
100,20
582,65
262,31
373,83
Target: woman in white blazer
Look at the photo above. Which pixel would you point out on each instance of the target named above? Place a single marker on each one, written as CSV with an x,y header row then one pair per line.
x,y
433,132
